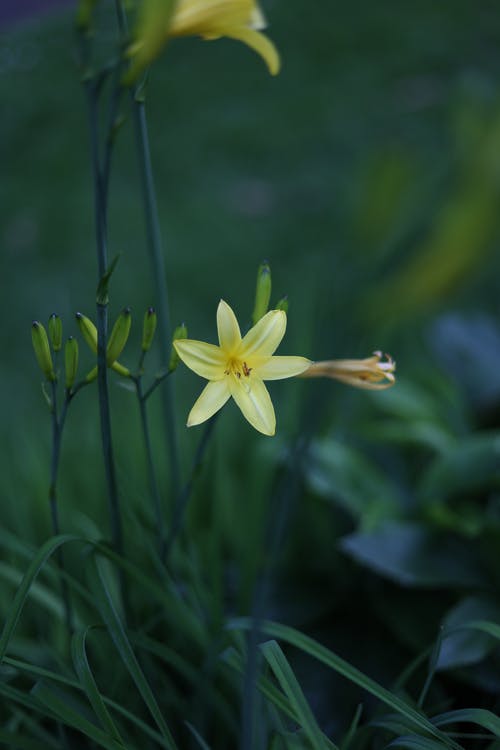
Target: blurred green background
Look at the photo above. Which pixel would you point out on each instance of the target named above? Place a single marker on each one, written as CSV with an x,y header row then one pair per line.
x,y
368,174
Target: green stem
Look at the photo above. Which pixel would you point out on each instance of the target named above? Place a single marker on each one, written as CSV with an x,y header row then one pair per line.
x,y
57,431
153,482
159,277
182,498
102,322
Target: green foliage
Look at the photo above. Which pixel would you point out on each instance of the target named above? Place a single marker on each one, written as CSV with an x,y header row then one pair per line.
x,y
364,539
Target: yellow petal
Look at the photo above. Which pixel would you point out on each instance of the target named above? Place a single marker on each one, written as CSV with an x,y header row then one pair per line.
x,y
278,368
212,398
228,328
209,17
264,338
252,397
260,44
206,360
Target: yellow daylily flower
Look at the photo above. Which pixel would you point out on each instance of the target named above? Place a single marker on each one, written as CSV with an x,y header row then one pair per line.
x,y
238,367
236,19
374,373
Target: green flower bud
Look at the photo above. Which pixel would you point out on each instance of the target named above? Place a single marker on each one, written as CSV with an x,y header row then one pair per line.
x,y
148,329
282,304
119,336
55,332
70,361
42,350
179,333
262,292
84,14
88,330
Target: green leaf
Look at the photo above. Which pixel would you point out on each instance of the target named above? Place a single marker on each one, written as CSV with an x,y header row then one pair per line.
x,y
82,668
461,645
116,630
344,476
479,716
23,591
416,742
290,686
199,739
411,555
339,665
62,706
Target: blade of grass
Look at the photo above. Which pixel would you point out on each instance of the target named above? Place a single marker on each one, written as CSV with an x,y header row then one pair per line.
x,y
290,686
199,739
59,704
324,655
23,591
114,625
89,685
416,742
59,679
479,716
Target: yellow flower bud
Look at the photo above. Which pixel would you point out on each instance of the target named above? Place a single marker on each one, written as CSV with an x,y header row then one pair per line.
x,y
88,330
262,292
42,350
179,333
70,361
148,329
119,336
55,332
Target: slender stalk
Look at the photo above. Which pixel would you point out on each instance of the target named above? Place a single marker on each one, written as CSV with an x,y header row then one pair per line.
x,y
159,278
279,513
153,482
182,498
57,431
102,321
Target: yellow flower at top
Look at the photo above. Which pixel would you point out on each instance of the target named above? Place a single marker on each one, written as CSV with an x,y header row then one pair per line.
x,y
238,367
236,19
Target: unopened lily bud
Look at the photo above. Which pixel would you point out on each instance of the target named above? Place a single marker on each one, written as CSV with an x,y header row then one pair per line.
x,y
70,361
42,350
282,304
88,330
84,14
262,292
148,329
179,333
55,332
119,336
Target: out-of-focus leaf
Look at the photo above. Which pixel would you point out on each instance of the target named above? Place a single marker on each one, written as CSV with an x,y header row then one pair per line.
x,y
462,234
469,348
411,555
464,646
472,465
416,742
343,475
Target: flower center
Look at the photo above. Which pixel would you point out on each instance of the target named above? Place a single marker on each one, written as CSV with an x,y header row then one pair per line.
x,y
238,368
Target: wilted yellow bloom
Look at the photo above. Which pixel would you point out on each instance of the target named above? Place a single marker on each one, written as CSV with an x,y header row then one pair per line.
x,y
238,367
375,372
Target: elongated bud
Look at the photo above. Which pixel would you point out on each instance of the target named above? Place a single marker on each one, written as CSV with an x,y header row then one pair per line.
x,y
70,361
148,329
179,333
84,14
55,332
42,350
119,336
262,292
116,366
282,304
88,330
